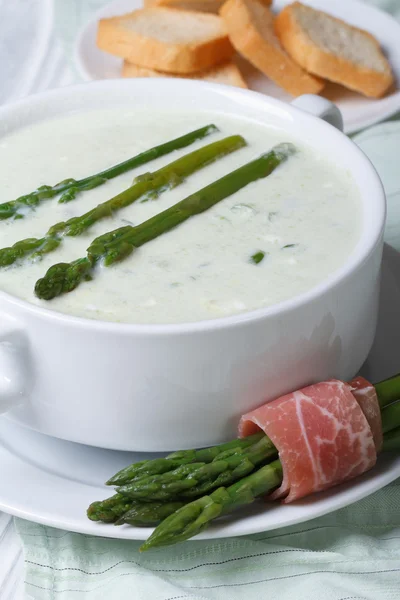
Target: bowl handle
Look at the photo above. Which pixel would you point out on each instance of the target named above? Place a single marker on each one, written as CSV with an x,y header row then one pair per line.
x,y
321,108
13,364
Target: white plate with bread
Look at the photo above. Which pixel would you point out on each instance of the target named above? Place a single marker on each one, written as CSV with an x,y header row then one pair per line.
x,y
345,50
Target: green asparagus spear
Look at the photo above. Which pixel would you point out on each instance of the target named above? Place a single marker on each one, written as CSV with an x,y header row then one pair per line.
x,y
69,188
109,510
209,454
192,518
118,509
148,514
196,479
391,441
388,390
120,243
144,186
157,466
391,417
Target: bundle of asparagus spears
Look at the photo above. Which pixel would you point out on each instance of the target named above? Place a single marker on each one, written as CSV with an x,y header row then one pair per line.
x,y
118,244
182,493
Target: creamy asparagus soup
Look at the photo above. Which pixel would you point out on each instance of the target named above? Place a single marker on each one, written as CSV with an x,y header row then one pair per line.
x,y
293,222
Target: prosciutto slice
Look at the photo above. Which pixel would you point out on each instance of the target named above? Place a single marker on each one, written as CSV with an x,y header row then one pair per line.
x,y
322,436
366,396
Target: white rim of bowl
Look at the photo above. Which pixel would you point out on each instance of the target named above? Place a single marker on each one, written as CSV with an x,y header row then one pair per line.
x,y
358,256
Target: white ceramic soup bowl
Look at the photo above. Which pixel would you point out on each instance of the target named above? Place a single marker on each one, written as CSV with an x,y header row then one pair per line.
x,y
163,387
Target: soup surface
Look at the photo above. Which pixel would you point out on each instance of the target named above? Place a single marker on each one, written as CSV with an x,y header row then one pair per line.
x,y
305,217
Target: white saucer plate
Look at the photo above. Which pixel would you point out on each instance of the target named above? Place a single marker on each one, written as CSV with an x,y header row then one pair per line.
x,y
52,482
358,112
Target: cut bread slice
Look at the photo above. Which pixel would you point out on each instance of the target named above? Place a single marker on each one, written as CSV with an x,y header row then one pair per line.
x,y
211,6
166,39
250,28
227,74
331,48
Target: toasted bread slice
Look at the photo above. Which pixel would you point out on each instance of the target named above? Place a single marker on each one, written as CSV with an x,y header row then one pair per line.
x,y
211,6
250,28
227,74
166,39
329,47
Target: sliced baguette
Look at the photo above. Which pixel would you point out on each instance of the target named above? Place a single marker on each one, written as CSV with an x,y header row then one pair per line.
x,y
329,47
166,39
250,28
227,74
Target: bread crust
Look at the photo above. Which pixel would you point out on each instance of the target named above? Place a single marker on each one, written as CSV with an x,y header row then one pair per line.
x,y
226,73
147,51
212,6
269,58
303,50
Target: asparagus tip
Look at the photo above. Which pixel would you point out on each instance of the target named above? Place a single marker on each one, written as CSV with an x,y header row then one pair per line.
x,y
211,128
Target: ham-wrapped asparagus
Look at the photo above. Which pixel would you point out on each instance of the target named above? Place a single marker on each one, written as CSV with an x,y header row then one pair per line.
x,y
332,438
323,437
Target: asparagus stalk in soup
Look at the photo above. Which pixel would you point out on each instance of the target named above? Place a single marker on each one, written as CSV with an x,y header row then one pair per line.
x,y
270,240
